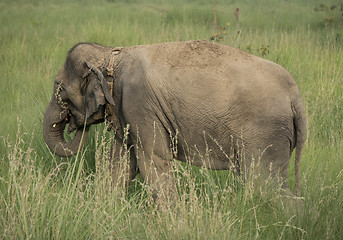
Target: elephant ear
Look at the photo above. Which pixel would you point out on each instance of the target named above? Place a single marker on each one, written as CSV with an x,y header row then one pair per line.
x,y
105,87
93,96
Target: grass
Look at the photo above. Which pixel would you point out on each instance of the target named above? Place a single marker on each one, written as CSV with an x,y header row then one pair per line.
x,y
43,196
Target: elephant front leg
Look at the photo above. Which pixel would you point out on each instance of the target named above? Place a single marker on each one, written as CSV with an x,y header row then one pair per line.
x,y
158,174
155,163
123,166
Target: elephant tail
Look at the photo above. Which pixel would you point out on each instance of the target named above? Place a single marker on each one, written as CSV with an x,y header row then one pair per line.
x,y
300,136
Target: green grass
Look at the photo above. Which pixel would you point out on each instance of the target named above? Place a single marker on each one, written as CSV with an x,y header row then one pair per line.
x,y
43,196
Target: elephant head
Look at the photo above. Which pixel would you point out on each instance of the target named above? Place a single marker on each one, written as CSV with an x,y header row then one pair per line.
x,y
80,95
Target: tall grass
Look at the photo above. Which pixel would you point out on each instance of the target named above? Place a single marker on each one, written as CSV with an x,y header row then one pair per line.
x,y
43,196
67,203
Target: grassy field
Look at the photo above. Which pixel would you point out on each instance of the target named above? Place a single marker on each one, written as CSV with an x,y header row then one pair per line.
x,y
44,197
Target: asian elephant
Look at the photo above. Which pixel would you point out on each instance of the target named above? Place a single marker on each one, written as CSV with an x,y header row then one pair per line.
x,y
200,102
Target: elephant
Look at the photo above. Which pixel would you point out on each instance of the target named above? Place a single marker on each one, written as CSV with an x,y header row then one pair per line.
x,y
199,102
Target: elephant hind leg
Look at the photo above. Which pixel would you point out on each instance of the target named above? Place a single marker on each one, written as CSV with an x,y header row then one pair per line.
x,y
268,165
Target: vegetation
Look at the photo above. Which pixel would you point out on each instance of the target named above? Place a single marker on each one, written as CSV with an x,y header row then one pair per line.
x,y
44,197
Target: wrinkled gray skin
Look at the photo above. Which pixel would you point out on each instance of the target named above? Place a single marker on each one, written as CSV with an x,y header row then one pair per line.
x,y
203,103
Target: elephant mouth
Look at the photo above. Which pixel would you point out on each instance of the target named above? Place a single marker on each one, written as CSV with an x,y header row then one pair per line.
x,y
73,123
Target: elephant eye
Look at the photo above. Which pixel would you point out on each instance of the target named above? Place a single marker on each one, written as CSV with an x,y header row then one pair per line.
x,y
63,94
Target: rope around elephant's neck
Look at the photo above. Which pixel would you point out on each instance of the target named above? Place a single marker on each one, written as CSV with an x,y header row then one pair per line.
x,y
110,68
110,119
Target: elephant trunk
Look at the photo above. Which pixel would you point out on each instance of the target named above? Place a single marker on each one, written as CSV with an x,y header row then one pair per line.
x,y
54,124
